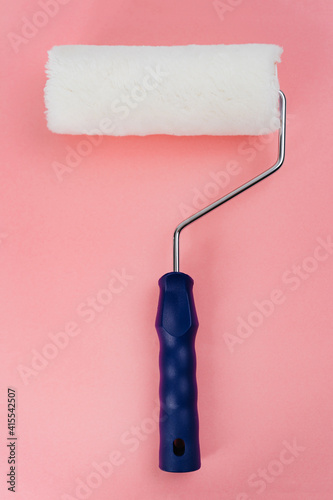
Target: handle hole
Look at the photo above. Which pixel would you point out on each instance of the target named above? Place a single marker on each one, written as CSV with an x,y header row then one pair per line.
x,y
178,447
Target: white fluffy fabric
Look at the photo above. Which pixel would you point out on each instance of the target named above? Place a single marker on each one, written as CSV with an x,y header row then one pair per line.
x,y
178,90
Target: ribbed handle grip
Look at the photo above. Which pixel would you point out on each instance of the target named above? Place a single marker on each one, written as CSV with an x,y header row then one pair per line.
x,y
176,325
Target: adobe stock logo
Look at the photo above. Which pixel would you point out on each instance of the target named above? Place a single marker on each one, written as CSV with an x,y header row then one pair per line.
x,y
130,442
86,312
291,280
31,27
224,7
252,145
121,108
265,476
211,191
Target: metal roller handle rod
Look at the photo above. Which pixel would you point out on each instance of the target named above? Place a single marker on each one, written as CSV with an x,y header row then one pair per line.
x,y
232,194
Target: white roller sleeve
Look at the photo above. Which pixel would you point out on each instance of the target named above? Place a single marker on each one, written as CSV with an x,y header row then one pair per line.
x,y
178,90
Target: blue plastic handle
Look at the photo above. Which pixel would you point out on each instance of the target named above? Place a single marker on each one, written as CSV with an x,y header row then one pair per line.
x,y
177,325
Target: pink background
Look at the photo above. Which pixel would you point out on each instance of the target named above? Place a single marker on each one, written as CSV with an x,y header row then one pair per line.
x,y
62,240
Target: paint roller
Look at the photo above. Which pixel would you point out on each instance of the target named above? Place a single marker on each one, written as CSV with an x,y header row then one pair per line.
x,y
176,90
